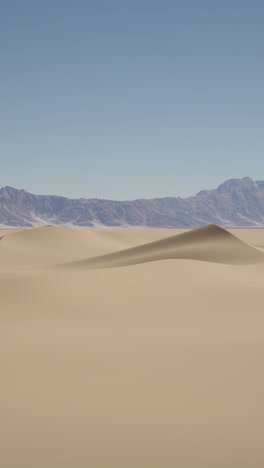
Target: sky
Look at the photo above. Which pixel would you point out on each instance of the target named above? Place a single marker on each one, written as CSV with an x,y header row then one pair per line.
x,y
125,99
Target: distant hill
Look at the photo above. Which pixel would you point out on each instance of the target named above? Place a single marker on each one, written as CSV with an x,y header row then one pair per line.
x,y
235,203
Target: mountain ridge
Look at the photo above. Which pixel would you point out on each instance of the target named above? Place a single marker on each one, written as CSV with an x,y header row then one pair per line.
x,y
234,203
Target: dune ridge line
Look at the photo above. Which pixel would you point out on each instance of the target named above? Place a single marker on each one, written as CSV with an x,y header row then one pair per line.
x,y
210,243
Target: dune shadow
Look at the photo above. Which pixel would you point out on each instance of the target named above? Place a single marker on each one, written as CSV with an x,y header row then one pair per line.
x,y
210,243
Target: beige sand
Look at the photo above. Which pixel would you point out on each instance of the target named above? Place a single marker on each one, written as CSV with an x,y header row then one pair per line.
x,y
147,358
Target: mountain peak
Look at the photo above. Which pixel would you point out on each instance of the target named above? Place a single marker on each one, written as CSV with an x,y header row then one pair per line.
x,y
9,189
233,184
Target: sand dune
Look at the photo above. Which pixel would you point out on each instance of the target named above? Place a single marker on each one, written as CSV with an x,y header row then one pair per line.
x,y
46,245
156,364
210,243
81,248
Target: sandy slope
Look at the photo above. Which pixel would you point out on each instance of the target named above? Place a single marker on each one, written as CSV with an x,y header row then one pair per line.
x,y
46,245
156,364
210,243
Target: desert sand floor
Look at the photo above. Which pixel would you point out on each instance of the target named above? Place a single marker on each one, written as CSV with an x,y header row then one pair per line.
x,y
131,348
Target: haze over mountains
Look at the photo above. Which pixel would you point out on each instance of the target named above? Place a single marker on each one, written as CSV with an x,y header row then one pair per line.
x,y
235,203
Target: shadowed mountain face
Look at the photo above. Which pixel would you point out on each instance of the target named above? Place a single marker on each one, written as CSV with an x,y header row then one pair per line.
x,y
235,203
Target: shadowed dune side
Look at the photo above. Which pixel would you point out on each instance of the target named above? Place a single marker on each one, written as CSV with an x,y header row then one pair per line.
x,y
209,243
53,244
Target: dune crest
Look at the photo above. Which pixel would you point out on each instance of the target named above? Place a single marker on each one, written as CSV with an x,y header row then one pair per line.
x,y
210,243
48,245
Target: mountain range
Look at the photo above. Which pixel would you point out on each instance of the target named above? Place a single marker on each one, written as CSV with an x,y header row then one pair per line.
x,y
235,203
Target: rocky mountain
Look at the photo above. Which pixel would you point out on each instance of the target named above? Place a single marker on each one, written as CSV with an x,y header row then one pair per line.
x,y
235,203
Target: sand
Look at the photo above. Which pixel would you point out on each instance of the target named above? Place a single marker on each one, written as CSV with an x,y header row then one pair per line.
x,y
131,348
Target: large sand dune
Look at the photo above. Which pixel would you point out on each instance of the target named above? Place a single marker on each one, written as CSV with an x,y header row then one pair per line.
x,y
210,243
153,365
49,244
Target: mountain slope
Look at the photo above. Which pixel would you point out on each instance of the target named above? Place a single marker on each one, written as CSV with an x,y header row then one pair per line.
x,y
235,203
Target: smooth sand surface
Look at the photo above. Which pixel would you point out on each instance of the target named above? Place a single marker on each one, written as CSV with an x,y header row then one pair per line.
x,y
131,348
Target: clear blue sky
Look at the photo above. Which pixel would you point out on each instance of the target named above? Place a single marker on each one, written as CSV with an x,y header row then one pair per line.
x,y
126,99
